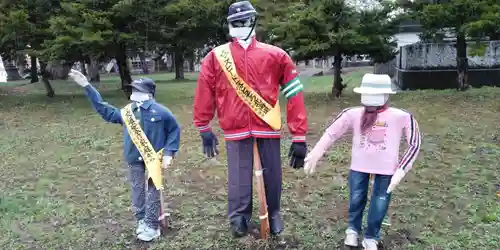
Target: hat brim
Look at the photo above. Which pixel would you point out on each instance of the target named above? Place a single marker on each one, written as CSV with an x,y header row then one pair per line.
x,y
373,91
241,16
138,88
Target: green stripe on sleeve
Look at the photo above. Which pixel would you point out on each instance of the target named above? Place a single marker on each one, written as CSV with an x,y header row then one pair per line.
x,y
292,88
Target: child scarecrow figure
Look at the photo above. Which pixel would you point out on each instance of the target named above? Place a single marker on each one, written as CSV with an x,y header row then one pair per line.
x,y
377,131
151,137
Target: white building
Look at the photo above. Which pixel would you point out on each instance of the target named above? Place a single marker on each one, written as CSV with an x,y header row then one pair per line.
x,y
406,38
3,73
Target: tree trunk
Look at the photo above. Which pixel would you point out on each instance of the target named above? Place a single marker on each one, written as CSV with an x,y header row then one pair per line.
x,y
94,70
45,80
21,65
191,64
144,64
179,65
57,70
170,58
337,81
34,69
462,62
123,69
84,69
191,59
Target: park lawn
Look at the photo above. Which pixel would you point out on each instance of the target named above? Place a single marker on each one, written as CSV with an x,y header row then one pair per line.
x,y
63,181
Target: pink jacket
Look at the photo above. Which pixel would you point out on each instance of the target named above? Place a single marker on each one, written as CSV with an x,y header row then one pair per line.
x,y
376,151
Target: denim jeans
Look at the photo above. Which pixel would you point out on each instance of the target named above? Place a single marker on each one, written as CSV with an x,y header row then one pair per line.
x,y
146,204
358,192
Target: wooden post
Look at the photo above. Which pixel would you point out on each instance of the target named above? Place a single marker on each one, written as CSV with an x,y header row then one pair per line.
x,y
261,193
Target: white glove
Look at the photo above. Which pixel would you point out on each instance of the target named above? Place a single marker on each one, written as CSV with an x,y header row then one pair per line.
x,y
78,77
396,178
311,161
167,161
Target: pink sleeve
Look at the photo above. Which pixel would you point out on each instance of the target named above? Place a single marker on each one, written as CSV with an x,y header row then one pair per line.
x,y
412,134
339,126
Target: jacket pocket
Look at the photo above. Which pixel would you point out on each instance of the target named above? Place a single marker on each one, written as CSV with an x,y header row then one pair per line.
x,y
153,118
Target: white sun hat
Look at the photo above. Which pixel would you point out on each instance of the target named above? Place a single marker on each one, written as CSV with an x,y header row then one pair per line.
x,y
375,84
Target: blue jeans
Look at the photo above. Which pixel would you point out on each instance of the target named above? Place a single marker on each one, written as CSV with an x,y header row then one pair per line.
x,y
358,191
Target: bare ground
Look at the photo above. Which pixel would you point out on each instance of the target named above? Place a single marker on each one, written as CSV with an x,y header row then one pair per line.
x,y
64,183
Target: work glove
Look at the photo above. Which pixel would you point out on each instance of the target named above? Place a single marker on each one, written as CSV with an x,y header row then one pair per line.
x,y
311,161
78,77
167,161
396,178
297,153
210,143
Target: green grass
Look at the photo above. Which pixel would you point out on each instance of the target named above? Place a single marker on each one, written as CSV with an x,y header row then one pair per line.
x,y
63,181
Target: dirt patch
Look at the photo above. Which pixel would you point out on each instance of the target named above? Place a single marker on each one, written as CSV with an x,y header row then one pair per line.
x,y
399,239
254,241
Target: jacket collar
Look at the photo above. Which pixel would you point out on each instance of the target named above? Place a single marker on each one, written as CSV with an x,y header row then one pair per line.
x,y
250,46
146,104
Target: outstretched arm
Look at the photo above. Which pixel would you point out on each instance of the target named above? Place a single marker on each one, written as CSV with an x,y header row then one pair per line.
x,y
292,89
339,126
107,111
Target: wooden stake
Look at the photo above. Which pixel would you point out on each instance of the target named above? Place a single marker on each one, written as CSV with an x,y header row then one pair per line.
x,y
261,193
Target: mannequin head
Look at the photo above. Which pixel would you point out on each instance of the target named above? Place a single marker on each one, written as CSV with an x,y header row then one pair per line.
x,y
375,90
241,19
143,89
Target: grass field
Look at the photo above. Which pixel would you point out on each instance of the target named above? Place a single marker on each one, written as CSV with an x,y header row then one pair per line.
x,y
63,181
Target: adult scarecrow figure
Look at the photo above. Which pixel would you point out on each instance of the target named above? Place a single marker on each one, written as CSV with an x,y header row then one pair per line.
x,y
377,132
242,80
151,137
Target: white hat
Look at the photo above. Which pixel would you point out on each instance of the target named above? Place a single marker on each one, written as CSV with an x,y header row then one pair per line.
x,y
374,84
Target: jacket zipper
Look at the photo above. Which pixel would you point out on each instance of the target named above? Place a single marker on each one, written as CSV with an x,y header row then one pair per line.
x,y
248,82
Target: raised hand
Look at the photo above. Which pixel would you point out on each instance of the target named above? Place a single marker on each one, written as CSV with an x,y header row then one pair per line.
x,y
78,77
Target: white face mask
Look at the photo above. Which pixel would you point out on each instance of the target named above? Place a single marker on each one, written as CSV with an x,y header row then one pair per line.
x,y
241,33
374,100
139,96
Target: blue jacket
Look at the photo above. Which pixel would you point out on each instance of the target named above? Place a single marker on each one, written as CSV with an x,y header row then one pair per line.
x,y
157,122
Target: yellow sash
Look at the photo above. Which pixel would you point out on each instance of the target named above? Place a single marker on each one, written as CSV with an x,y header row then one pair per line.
x,y
153,160
271,115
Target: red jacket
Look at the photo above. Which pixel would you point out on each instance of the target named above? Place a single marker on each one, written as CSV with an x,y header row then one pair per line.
x,y
265,68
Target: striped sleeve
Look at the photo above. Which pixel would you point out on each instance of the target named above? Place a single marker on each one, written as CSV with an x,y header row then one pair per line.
x,y
413,138
340,125
292,88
